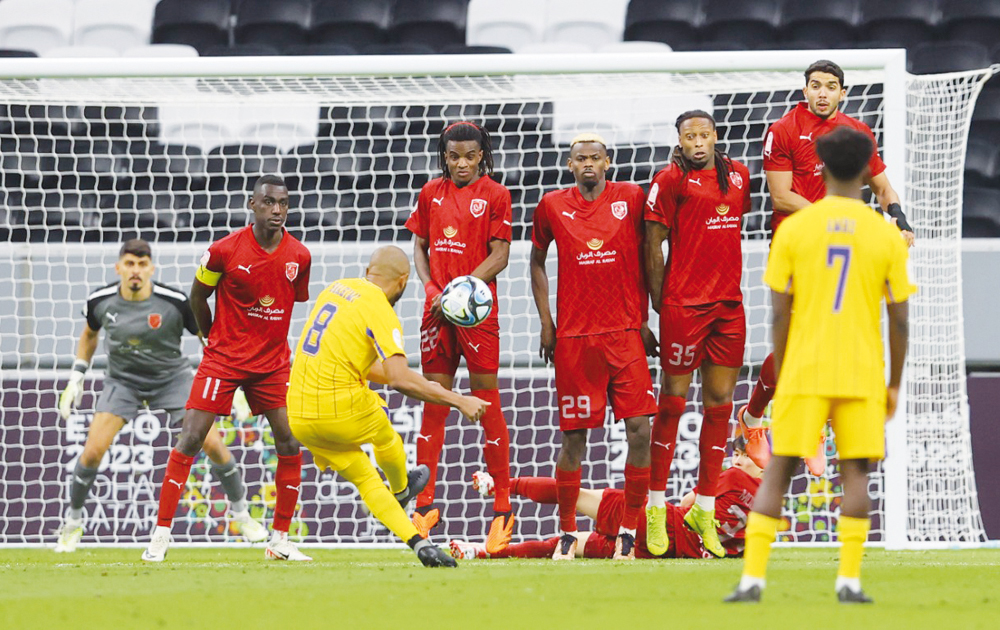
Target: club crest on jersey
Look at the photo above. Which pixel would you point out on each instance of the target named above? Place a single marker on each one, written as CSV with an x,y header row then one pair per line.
x,y
619,210
450,231
291,271
266,301
595,244
155,320
477,207
737,179
722,209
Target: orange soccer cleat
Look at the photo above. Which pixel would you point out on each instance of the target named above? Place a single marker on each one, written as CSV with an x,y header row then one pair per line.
x,y
817,463
758,448
426,521
500,531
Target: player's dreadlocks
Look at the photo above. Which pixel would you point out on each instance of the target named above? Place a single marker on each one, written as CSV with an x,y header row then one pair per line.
x,y
723,163
459,132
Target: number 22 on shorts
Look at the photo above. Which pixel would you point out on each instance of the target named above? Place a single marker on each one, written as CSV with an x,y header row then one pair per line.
x,y
311,344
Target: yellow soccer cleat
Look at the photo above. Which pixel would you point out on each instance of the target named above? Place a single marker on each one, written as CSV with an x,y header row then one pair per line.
x,y
704,524
657,540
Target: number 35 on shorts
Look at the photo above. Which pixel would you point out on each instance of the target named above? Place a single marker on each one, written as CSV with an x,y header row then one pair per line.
x,y
571,407
682,356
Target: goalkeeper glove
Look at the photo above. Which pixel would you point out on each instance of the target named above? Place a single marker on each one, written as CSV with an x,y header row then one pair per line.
x,y
241,408
72,396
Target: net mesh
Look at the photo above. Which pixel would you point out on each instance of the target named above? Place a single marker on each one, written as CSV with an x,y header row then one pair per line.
x,y
87,163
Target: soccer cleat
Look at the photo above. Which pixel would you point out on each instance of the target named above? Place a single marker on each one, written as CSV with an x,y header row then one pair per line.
x,y
252,530
416,480
745,596
69,536
846,596
758,449
624,547
817,463
431,556
158,545
466,550
280,548
565,548
704,524
500,531
482,482
426,521
657,540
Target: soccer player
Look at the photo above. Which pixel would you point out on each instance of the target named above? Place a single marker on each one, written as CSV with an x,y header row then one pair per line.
x,y
737,486
602,339
351,336
461,226
696,203
257,273
143,323
829,267
795,179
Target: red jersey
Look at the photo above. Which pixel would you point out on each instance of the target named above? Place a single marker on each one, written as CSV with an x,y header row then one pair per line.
x,y
458,224
255,293
790,145
732,507
705,263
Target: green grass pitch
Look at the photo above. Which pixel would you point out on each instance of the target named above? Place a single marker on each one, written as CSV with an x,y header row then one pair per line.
x,y
111,589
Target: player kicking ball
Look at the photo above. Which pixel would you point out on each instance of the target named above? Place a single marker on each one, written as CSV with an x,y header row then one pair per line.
x,y
143,323
353,336
830,265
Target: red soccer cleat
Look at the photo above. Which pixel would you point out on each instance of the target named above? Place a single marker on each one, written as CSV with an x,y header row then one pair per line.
x,y
758,448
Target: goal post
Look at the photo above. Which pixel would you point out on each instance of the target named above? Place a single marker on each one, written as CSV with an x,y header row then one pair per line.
x,y
92,152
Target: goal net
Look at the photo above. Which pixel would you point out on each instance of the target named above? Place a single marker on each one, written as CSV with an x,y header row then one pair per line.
x,y
168,149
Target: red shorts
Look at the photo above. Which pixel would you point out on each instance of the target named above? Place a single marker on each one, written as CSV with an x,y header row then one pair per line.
x,y
684,543
589,368
443,344
689,335
214,387
776,219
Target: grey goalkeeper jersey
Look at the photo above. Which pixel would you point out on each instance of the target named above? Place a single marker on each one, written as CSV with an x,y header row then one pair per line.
x,y
142,339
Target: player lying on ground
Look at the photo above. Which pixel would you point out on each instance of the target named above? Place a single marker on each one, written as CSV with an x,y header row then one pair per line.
x,y
143,323
353,336
737,486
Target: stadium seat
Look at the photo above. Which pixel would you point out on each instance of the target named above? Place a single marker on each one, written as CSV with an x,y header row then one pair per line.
x,y
635,47
277,24
553,48
161,50
589,23
511,24
986,117
197,23
980,212
751,23
464,49
982,164
118,24
971,21
17,52
320,50
434,23
36,25
710,46
81,52
909,22
397,49
241,50
947,57
823,24
356,24
674,23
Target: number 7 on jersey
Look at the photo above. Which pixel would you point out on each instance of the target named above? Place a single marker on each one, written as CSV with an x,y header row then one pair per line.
x,y
832,254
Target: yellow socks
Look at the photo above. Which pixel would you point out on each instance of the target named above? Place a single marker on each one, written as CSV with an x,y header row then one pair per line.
x,y
853,532
761,532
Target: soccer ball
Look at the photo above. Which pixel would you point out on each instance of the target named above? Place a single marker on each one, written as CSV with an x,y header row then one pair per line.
x,y
466,301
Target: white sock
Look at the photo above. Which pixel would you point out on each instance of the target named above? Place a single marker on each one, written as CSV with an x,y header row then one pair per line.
x,y
657,498
277,536
705,503
752,422
747,582
74,514
238,507
161,529
852,583
630,532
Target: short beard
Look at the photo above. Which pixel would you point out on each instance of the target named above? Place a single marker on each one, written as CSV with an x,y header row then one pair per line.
x,y
590,185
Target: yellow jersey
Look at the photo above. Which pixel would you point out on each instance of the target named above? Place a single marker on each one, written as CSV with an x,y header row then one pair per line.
x,y
837,258
351,326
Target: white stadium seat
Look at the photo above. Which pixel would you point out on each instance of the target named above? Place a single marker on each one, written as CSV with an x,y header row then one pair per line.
x,y
552,48
635,47
161,50
511,24
120,24
36,25
81,52
589,23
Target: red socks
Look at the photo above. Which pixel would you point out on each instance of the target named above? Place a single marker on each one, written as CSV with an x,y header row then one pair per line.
x,y
287,478
712,447
567,492
663,439
429,444
538,489
636,487
763,390
496,450
530,549
174,482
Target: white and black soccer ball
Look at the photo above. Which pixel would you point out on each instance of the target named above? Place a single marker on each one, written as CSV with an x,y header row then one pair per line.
x,y
466,301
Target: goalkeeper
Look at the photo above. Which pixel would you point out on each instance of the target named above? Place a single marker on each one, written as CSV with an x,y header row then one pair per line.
x,y
143,323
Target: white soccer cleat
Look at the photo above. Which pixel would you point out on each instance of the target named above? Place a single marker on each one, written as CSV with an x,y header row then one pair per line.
x,y
158,545
466,550
482,481
280,548
251,529
69,536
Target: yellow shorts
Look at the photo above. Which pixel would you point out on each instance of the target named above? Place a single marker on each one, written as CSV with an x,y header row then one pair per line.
x,y
858,426
334,442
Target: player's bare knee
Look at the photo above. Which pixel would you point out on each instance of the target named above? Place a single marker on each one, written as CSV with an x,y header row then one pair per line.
x,y
637,433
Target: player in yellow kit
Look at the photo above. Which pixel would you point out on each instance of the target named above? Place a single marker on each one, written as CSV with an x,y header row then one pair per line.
x,y
832,263
351,337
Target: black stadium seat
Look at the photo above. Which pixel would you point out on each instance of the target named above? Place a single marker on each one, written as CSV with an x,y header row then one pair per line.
x,y
971,21
752,23
981,163
462,49
15,52
241,50
909,22
197,23
321,50
434,23
823,24
397,49
278,24
674,23
980,213
356,24
947,57
986,117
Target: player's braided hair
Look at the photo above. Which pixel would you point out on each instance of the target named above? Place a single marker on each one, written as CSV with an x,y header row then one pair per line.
x,y
723,163
459,132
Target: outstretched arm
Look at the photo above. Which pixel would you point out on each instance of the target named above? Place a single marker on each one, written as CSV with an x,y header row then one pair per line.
x,y
395,373
888,200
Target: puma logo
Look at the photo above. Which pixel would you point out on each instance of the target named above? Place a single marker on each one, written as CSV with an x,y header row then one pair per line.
x,y
650,392
175,482
437,200
246,269
696,182
809,137
112,317
421,436
293,488
664,445
718,448
571,215
495,442
475,346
